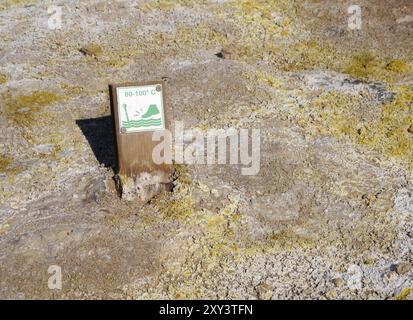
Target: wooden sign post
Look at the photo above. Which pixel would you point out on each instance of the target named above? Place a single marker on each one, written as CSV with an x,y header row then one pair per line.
x,y
139,109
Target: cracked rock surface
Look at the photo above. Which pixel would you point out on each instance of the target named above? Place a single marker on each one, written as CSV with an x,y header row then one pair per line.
x,y
328,216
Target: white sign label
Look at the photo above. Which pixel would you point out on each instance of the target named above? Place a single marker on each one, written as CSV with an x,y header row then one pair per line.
x,y
140,108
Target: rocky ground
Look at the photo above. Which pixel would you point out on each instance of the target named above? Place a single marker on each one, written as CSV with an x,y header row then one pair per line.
x,y
330,214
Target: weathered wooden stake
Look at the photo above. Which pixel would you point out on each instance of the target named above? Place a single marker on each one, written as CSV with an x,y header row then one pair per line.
x,y
139,109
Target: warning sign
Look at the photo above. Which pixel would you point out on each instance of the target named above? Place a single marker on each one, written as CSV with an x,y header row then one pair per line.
x,y
140,108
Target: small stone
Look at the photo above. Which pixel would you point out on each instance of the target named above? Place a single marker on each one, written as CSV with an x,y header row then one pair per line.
x,y
220,54
4,227
410,129
405,19
332,294
215,193
338,282
14,205
403,268
391,276
264,291
223,54
203,187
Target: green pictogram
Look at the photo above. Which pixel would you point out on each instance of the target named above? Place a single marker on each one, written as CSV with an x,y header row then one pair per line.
x,y
140,108
145,120
152,110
